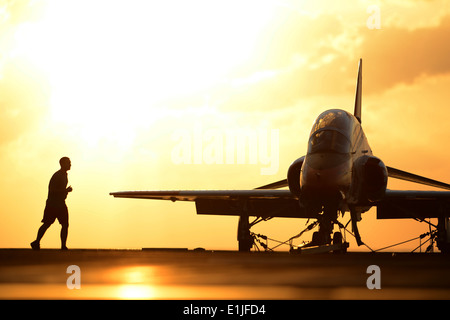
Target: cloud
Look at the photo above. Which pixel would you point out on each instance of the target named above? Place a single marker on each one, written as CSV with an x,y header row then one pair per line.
x,y
318,56
394,56
297,57
24,96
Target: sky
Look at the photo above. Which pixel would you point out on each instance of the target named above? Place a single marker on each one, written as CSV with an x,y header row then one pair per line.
x,y
148,95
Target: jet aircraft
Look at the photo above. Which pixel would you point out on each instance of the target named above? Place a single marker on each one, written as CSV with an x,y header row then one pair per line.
x,y
338,174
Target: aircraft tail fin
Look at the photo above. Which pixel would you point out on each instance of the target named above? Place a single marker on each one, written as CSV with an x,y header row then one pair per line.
x,y
357,112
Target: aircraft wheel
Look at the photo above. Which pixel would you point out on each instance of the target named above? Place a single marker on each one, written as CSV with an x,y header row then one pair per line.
x,y
316,239
319,238
244,237
337,239
245,245
444,247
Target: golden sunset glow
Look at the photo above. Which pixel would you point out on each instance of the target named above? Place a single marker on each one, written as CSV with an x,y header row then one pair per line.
x,y
117,86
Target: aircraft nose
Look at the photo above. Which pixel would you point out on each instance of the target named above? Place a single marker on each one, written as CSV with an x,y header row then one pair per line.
x,y
322,174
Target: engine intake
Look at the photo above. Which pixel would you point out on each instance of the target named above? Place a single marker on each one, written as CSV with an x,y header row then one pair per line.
x,y
369,179
293,176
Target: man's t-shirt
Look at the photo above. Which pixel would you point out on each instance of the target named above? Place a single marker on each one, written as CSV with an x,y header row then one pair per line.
x,y
57,193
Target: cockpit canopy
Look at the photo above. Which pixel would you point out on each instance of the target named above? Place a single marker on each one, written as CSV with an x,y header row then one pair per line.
x,y
331,133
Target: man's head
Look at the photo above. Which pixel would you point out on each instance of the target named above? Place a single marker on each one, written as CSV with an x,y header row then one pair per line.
x,y
65,163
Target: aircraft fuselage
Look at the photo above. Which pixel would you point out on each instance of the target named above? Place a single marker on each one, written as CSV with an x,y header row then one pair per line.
x,y
335,144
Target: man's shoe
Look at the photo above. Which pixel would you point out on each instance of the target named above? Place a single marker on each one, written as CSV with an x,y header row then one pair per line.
x,y
64,248
35,245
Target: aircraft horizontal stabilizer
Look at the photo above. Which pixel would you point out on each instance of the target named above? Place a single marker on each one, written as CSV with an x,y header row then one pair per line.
x,y
275,185
403,175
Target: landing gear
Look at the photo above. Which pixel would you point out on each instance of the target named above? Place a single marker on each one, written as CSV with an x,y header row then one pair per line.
x,y
443,234
320,238
322,241
244,236
326,224
355,218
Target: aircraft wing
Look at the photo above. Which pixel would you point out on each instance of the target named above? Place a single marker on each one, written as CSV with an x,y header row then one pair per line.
x,y
256,202
398,204
192,195
266,201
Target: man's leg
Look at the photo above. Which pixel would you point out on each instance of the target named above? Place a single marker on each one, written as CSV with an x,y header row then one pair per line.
x,y
36,244
64,232
42,230
63,218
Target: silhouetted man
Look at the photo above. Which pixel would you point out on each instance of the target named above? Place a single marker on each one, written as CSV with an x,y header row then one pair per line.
x,y
55,207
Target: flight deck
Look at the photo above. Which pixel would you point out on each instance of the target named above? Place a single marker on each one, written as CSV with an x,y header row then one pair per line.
x,y
166,274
